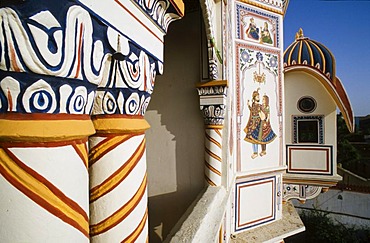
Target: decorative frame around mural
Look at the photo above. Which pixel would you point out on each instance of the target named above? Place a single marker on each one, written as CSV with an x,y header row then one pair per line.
x,y
328,165
273,62
239,226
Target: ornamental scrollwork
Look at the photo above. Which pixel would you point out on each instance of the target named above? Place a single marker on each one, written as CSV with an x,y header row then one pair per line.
x,y
300,192
213,103
159,11
213,114
70,62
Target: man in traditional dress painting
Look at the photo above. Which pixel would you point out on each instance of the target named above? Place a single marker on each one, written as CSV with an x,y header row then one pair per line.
x,y
258,129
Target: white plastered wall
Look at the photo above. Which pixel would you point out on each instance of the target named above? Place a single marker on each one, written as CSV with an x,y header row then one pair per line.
x,y
299,84
175,141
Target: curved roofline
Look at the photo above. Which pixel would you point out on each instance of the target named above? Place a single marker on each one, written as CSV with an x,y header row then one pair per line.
x,y
335,89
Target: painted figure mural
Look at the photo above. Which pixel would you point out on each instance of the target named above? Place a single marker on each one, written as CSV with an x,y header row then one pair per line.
x,y
253,31
265,34
258,29
258,129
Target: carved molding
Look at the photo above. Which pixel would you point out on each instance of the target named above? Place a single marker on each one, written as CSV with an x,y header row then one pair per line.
x,y
160,11
128,83
59,62
213,101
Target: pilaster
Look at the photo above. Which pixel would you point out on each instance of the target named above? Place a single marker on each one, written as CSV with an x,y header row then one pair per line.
x,y
213,103
117,160
48,84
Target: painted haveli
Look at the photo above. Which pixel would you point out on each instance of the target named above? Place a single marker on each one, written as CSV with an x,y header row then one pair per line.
x,y
76,80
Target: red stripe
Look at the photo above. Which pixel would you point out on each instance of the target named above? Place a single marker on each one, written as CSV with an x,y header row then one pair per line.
x,y
79,51
124,206
113,146
42,144
138,20
81,155
40,201
96,188
145,217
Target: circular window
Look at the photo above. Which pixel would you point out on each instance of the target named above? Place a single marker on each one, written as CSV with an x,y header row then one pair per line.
x,y
307,104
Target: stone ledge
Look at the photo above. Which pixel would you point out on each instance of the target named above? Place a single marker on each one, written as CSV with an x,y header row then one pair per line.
x,y
202,221
289,225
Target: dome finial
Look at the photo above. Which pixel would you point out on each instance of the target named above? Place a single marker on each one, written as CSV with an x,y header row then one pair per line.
x,y
299,34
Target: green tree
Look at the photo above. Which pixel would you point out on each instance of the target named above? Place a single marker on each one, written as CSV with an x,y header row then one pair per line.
x,y
347,154
321,228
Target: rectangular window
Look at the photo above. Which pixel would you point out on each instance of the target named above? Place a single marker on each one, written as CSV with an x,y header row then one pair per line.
x,y
308,131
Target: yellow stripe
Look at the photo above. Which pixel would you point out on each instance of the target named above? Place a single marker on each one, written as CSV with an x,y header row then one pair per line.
x,y
212,83
213,155
133,237
218,132
82,148
213,169
120,125
108,185
40,189
45,130
322,56
179,6
209,181
220,234
213,140
120,215
100,149
291,53
214,126
311,53
300,52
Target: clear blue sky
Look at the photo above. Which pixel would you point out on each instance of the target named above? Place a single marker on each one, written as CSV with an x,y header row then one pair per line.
x,y
343,27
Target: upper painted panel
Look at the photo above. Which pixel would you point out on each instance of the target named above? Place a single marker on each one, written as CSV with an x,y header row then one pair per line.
x,y
257,26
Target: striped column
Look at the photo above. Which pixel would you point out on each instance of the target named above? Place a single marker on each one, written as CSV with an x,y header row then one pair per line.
x,y
118,180
213,103
213,154
44,178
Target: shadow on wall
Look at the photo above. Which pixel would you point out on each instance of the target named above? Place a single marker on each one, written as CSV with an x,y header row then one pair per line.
x,y
175,141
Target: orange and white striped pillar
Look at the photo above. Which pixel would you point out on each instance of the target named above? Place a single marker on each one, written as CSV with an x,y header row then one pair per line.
x,y
47,87
117,158
213,154
44,177
213,103
118,180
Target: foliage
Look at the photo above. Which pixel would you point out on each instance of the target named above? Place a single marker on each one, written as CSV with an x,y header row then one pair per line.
x,y
347,154
321,228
